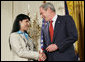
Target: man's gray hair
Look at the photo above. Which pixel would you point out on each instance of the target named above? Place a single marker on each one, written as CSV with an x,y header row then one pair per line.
x,y
45,6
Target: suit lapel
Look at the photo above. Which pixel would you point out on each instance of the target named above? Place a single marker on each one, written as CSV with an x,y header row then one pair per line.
x,y
23,37
56,28
48,33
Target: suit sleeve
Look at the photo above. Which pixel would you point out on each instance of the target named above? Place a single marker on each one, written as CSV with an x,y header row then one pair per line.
x,y
71,31
20,50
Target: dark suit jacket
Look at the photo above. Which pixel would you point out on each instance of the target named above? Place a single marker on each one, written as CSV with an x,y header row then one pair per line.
x,y
65,34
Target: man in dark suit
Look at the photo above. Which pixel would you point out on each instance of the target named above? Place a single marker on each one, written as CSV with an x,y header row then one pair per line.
x,y
59,34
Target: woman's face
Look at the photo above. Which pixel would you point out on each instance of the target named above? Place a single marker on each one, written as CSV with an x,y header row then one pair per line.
x,y
24,24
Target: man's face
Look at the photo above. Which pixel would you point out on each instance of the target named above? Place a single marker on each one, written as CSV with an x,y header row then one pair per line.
x,y
45,14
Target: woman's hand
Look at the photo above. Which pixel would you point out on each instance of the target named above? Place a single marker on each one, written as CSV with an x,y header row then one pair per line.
x,y
42,56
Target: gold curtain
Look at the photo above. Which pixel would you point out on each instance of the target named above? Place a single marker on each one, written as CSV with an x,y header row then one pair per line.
x,y
76,10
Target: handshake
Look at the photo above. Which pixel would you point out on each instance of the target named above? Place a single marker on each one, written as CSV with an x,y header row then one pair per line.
x,y
50,48
42,56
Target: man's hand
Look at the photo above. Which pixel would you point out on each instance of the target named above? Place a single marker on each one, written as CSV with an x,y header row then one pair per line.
x,y
42,56
52,48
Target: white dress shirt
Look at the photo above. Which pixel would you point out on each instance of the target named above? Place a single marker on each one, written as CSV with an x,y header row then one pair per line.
x,y
54,20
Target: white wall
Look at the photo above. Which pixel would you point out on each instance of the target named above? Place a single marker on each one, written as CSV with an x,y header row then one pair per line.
x,y
6,25
10,9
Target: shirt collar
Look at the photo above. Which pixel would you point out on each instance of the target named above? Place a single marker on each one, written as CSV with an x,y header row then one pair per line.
x,y
54,18
20,32
23,33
